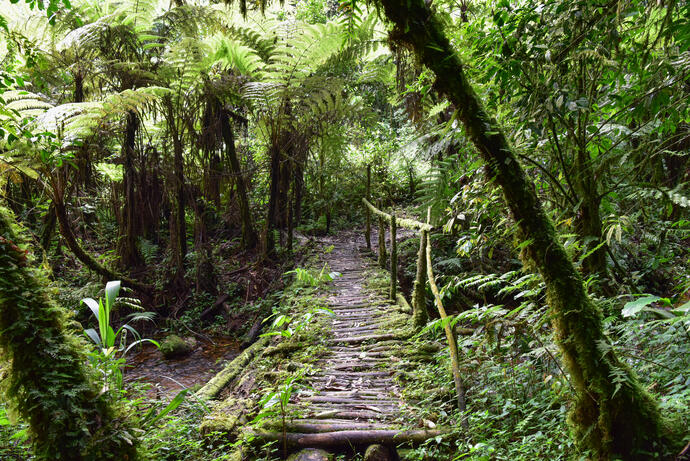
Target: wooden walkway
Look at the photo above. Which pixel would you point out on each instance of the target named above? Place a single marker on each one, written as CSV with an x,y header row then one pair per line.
x,y
353,400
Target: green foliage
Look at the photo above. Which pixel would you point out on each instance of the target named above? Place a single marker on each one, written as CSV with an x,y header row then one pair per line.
x,y
307,277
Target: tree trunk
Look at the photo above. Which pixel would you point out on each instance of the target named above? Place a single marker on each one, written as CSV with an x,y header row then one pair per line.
x,y
299,185
127,244
271,218
48,228
607,418
82,156
248,233
588,220
180,246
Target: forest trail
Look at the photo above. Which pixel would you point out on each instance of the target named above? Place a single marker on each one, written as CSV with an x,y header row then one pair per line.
x,y
353,400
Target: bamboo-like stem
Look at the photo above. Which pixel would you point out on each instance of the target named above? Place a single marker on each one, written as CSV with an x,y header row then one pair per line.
x,y
420,313
394,259
450,335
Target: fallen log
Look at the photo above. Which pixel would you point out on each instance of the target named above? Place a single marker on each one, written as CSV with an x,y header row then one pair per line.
x,y
231,371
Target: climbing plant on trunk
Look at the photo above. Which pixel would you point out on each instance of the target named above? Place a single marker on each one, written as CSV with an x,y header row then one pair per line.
x,y
612,413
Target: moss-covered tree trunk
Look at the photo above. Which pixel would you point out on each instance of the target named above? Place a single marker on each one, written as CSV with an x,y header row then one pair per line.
x,y
47,382
610,416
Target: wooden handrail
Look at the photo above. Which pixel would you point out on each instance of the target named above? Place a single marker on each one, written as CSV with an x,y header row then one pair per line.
x,y
425,274
402,222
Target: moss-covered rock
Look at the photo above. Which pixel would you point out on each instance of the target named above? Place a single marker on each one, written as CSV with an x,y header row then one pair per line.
x,y
174,347
311,454
379,453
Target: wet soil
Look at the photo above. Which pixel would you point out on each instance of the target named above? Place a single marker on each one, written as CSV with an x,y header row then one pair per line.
x,y
169,376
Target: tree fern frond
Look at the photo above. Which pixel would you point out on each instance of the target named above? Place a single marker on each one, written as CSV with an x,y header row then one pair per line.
x,y
263,44
25,103
86,37
230,54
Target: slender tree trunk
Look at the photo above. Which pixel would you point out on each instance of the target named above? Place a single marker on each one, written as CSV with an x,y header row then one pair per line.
x,y
248,233
127,243
299,184
588,220
82,156
48,228
609,417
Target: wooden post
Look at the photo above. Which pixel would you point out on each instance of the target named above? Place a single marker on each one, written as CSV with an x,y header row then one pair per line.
x,y
382,242
420,314
367,235
290,226
450,335
394,259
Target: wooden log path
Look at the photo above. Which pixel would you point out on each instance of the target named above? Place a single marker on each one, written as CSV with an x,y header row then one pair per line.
x,y
353,400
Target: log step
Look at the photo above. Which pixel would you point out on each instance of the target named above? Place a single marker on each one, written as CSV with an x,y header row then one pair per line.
x,y
347,439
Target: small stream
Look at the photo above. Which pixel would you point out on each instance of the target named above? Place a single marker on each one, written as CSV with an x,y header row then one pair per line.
x,y
170,376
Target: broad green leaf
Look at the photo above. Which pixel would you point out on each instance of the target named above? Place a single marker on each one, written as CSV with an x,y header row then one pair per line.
x,y
112,289
684,309
93,335
93,305
632,308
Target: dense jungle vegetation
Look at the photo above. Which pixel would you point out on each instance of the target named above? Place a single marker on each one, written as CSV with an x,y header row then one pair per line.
x,y
180,178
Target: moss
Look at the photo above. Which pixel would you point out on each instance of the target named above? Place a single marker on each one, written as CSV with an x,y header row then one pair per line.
x,y
174,347
284,348
226,418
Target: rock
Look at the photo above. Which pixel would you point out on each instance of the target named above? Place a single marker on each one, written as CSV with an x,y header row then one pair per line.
x,y
311,454
380,453
173,347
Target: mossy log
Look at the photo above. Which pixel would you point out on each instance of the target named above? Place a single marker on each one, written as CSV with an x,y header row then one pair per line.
x,y
227,418
314,426
361,339
347,439
213,388
284,348
608,419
